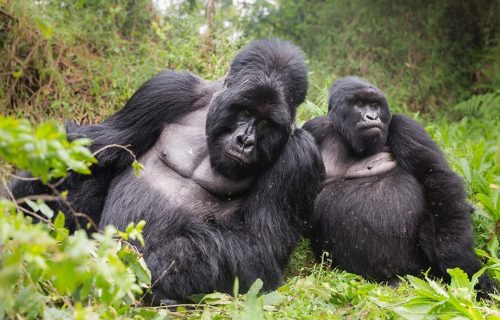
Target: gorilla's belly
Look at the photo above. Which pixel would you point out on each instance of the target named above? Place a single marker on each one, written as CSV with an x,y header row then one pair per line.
x,y
374,223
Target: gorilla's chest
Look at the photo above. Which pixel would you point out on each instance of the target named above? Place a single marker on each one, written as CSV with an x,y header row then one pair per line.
x,y
178,166
340,164
371,192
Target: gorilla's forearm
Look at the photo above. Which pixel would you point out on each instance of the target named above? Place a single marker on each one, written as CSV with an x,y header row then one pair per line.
x,y
292,184
446,232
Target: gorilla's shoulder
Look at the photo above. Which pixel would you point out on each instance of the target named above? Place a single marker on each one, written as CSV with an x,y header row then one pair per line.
x,y
174,80
404,126
401,120
319,127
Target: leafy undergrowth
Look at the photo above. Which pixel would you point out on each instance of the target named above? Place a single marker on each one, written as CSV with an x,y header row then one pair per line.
x,y
47,273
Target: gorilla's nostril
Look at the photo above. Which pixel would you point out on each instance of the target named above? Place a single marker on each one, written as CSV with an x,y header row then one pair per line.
x,y
240,141
245,141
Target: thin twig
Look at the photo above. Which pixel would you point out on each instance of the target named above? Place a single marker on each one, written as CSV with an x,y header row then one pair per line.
x,y
36,215
7,173
109,146
6,187
70,208
154,283
45,197
18,207
8,15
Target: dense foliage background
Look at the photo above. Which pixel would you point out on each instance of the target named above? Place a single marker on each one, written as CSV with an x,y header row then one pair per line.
x,y
437,60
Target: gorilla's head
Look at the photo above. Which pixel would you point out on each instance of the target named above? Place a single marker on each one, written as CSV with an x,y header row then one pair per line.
x,y
251,119
360,114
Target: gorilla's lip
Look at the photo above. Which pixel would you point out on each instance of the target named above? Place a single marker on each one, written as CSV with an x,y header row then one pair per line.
x,y
367,126
238,157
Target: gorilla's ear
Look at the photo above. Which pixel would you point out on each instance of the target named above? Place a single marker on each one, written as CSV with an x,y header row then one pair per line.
x,y
230,77
330,104
332,100
226,80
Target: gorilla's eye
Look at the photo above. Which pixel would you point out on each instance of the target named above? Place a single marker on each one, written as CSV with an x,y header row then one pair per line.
x,y
246,113
264,123
375,106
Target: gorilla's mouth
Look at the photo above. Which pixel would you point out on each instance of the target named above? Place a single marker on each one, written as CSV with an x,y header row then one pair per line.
x,y
369,126
238,157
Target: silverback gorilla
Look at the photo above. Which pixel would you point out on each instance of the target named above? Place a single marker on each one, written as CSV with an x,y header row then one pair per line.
x,y
228,177
390,204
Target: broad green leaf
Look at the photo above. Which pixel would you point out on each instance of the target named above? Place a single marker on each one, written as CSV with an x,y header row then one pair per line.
x,y
273,298
255,288
459,278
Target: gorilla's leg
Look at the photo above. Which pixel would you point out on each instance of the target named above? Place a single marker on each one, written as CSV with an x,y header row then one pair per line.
x,y
186,256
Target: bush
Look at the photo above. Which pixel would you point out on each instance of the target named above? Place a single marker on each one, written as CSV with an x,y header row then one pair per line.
x,y
44,271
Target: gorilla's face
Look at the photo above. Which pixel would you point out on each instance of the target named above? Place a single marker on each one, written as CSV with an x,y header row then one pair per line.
x,y
247,127
360,113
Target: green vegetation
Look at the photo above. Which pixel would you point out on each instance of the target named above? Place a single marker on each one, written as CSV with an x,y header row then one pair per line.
x,y
81,60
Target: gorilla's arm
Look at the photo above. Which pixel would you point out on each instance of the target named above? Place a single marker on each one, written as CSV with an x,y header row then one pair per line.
x,y
157,102
446,233
286,192
274,211
414,150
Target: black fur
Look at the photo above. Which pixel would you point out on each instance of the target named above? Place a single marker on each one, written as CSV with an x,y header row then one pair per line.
x,y
191,249
411,217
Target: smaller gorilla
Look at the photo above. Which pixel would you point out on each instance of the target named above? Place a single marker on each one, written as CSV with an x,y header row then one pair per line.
x,y
390,204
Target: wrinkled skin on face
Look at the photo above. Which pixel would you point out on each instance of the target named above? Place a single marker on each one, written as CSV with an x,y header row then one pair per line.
x,y
247,127
360,113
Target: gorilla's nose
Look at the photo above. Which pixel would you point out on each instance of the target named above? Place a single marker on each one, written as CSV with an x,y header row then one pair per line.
x,y
371,116
245,141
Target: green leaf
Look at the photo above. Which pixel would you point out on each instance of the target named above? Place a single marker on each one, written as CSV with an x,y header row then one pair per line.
x,y
459,278
137,167
33,205
46,29
413,312
45,210
216,298
255,288
17,74
273,298
60,220
236,287
132,260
